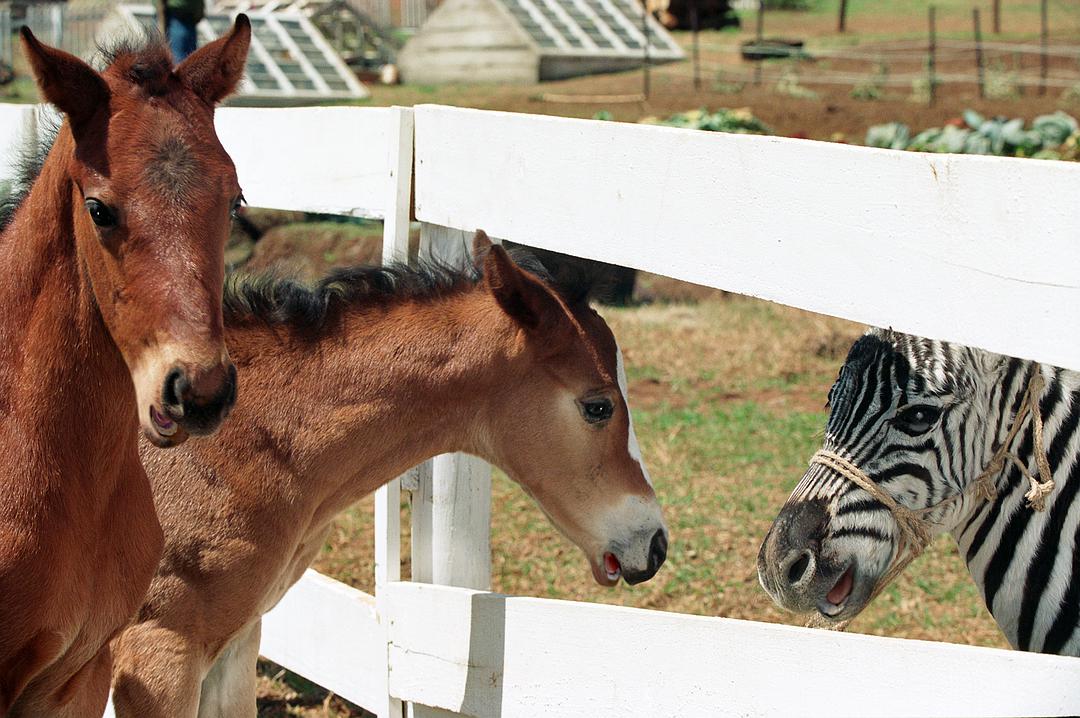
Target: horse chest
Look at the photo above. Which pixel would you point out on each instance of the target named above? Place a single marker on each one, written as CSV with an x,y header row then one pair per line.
x,y
303,554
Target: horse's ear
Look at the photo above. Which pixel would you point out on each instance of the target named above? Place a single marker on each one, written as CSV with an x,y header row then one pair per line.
x,y
65,80
213,71
481,245
526,299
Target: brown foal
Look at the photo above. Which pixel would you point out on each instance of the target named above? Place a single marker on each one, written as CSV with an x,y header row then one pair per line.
x,y
111,276
346,386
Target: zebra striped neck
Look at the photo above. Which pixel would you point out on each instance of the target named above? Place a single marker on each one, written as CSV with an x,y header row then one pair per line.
x,y
1025,563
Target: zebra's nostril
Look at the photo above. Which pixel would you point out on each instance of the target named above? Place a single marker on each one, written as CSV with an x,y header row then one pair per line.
x,y
797,569
799,566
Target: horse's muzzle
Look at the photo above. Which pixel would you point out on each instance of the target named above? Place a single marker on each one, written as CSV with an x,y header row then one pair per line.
x,y
199,399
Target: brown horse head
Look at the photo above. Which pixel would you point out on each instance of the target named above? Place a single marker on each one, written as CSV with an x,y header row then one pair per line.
x,y
567,436
151,192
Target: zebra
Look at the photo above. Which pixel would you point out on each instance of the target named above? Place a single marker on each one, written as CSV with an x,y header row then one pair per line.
x,y
924,421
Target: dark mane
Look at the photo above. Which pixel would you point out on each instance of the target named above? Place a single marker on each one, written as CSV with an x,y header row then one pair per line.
x,y
288,302
138,42
142,57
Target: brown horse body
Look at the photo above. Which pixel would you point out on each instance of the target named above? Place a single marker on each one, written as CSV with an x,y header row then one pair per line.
x,y
109,305
335,407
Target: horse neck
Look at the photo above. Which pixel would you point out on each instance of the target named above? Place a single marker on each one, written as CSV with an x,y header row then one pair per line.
x,y
57,360
357,407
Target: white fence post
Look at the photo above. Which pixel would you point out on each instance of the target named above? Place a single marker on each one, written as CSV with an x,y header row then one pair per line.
x,y
418,482
388,498
451,509
461,484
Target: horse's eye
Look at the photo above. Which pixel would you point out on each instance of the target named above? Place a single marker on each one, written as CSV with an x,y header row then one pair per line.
x,y
917,419
597,410
100,213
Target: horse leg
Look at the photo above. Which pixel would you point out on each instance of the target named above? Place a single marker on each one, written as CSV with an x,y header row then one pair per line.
x,y
85,693
17,672
156,675
228,691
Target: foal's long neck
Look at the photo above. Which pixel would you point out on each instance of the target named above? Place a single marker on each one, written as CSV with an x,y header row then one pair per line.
x,y
401,382
58,363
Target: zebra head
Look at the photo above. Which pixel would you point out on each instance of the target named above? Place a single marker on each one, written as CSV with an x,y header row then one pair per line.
x,y
911,414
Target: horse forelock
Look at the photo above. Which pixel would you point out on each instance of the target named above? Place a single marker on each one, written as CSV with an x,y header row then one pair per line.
x,y
144,62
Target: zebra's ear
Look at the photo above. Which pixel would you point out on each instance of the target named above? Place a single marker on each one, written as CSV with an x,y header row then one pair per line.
x,y
886,335
989,365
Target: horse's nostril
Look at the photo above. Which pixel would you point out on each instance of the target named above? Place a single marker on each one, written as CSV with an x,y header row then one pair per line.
x,y
657,550
172,393
799,567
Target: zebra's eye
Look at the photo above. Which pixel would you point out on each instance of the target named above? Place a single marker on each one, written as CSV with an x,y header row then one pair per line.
x,y
917,419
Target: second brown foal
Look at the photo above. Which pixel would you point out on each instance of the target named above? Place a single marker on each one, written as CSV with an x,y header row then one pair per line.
x,y
347,386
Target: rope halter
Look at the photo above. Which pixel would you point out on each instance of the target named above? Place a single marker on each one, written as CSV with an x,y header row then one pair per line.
x,y
915,530
984,487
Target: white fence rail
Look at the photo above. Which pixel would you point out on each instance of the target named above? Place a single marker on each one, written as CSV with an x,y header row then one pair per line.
x,y
977,250
483,654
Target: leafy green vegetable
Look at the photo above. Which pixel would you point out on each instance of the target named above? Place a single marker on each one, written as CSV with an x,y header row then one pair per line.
x,y
740,121
1049,137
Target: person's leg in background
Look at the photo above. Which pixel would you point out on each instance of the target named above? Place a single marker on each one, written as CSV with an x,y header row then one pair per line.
x,y
181,35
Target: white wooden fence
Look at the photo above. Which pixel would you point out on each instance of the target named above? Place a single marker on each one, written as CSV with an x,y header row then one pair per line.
x,y
983,251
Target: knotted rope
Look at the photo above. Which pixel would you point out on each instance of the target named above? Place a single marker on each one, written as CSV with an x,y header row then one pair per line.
x,y
984,488
914,529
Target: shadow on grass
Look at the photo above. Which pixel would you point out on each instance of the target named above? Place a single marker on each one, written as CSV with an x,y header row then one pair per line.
x,y
282,694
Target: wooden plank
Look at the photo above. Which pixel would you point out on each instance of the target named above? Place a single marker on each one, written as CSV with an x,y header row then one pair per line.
x,y
420,516
978,250
313,159
387,570
330,634
398,202
484,654
451,538
461,485
399,161
461,522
